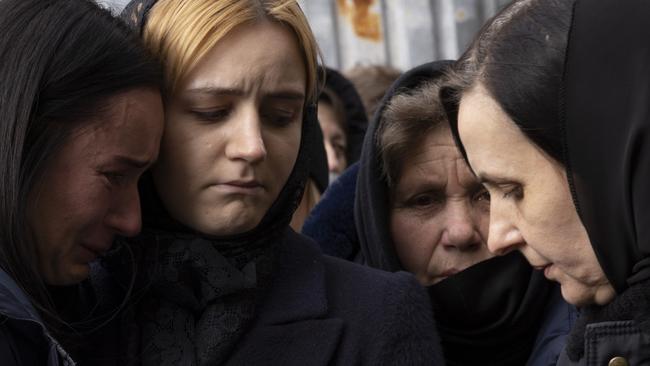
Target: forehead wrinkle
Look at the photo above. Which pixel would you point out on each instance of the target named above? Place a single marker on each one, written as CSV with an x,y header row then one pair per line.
x,y
424,171
466,178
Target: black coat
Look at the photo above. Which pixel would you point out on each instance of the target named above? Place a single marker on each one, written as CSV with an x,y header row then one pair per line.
x,y
322,310
318,310
605,342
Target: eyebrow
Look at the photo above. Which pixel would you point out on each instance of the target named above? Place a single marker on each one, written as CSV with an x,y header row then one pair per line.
x,y
485,178
221,91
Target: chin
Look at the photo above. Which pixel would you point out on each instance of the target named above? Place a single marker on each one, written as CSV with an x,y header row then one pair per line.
x,y
74,274
226,226
577,295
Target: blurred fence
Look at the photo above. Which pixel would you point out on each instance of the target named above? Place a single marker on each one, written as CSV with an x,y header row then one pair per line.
x,y
399,33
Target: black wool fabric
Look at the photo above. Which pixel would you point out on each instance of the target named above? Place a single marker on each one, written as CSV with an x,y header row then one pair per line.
x,y
488,314
606,121
355,113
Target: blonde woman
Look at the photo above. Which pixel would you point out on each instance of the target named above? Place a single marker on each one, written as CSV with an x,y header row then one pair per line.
x,y
226,280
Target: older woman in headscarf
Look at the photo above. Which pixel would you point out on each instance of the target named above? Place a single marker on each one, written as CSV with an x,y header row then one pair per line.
x,y
555,121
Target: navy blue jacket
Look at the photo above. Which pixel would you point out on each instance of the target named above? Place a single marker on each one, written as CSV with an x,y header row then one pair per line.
x,y
331,222
24,341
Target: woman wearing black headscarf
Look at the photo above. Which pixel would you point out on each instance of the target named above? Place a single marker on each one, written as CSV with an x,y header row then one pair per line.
x,y
222,278
554,119
419,208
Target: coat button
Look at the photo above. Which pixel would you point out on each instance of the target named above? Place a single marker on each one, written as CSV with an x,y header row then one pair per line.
x,y
618,361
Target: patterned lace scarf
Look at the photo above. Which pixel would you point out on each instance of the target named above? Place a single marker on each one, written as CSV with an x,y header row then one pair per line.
x,y
200,298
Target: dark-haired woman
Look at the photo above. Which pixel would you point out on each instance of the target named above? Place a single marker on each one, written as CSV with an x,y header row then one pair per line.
x,y
81,119
555,121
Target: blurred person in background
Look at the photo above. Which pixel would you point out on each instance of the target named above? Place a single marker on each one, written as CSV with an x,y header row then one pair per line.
x,y
343,124
343,119
372,82
333,123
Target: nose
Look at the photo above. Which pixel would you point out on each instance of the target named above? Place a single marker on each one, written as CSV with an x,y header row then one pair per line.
x,y
503,236
246,140
461,231
124,217
332,158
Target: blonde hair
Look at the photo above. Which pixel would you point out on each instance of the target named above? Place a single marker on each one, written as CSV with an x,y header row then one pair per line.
x,y
182,32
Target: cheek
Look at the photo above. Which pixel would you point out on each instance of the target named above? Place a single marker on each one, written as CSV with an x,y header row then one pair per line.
x,y
551,223
66,211
282,147
415,239
187,154
481,216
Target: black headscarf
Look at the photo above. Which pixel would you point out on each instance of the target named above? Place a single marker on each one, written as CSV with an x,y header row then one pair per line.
x,y
606,124
202,290
488,314
318,169
607,133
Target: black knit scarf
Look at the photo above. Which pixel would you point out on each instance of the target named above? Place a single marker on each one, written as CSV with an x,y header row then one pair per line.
x,y
200,298
490,313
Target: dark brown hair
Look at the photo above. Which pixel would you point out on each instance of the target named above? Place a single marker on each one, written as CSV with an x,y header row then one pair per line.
x,y
406,120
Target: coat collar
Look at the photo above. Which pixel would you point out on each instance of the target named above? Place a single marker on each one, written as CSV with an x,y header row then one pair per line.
x,y
14,304
293,325
13,301
298,290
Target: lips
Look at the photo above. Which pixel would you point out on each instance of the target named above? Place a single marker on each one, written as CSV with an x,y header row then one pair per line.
x,y
239,187
541,267
244,183
98,250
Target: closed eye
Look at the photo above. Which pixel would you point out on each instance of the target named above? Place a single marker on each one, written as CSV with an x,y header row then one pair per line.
x,y
425,200
514,191
115,178
212,115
